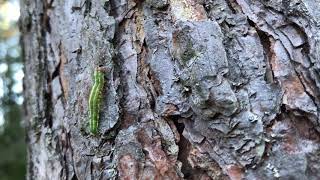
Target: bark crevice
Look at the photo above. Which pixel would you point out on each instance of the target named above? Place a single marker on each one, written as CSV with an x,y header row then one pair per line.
x,y
223,89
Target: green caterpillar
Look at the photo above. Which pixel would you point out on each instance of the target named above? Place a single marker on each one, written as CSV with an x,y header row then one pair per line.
x,y
95,99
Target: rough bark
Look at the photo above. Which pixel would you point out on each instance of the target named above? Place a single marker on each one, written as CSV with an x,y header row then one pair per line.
x,y
196,89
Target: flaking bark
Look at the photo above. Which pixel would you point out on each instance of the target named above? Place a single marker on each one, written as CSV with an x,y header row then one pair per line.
x,y
196,89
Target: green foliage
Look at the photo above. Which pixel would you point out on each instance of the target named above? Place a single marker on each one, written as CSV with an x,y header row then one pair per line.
x,y
12,134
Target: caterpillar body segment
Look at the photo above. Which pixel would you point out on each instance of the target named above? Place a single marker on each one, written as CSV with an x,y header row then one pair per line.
x,y
95,99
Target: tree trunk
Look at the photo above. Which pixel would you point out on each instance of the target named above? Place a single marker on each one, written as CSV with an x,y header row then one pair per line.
x,y
195,89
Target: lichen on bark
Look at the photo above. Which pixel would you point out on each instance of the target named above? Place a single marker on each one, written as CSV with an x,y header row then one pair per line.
x,y
224,89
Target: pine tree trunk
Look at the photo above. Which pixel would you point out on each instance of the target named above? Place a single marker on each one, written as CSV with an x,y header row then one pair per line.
x,y
195,89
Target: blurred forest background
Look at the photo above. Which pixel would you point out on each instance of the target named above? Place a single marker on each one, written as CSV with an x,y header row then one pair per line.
x,y
12,133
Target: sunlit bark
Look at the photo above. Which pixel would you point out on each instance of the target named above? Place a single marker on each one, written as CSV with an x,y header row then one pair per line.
x,y
196,89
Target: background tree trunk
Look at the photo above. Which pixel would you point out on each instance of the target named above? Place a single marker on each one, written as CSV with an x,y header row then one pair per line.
x,y
196,89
